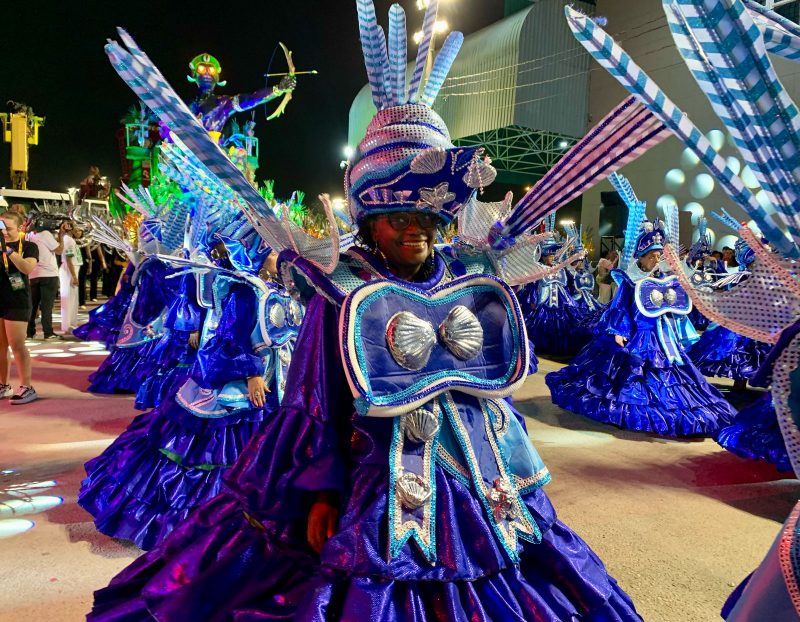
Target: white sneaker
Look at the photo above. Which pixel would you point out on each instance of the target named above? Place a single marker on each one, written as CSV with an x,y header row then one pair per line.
x,y
25,395
6,390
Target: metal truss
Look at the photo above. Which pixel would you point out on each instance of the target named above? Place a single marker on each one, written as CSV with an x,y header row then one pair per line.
x,y
520,154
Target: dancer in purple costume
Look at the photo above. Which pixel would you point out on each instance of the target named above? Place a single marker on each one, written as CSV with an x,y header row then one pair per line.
x,y
382,490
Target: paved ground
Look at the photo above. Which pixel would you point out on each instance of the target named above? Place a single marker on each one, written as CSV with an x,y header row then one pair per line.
x,y
679,523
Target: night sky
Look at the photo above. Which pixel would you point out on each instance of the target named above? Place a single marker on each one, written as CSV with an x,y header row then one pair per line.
x,y
53,60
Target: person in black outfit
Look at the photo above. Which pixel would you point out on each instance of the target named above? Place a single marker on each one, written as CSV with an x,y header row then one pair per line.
x,y
19,258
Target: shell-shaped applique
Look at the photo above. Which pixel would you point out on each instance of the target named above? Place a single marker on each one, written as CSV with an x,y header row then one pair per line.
x,y
462,333
670,296
277,315
412,490
295,312
480,174
429,161
285,356
410,340
657,298
421,425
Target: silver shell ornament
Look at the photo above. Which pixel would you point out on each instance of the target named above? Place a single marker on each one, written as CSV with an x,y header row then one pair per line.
x,y
412,490
480,174
296,312
420,425
277,315
410,340
462,333
657,298
429,161
670,296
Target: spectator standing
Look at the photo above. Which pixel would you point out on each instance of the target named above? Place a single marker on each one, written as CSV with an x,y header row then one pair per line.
x,y
68,274
44,280
605,284
19,259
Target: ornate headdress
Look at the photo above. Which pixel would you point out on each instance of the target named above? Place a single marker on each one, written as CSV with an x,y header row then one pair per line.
x,y
702,247
652,235
406,161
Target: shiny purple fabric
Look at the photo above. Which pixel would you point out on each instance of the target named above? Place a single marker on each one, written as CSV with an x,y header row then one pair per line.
x,y
722,353
105,321
169,461
243,556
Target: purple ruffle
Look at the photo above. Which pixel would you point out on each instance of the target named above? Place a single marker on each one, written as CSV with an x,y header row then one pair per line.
x,y
223,563
171,361
557,330
722,353
105,321
124,370
756,434
641,391
163,466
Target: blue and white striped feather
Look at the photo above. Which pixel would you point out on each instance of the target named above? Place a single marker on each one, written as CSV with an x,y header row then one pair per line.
x,y
781,36
550,222
724,51
726,219
637,212
373,45
428,24
398,53
673,224
441,67
622,67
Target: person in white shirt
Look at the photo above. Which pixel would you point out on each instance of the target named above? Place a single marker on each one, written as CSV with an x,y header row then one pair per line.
x,y
71,261
44,280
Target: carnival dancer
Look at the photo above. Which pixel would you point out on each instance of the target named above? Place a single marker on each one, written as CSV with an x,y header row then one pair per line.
x,y
105,320
552,317
635,374
721,352
581,281
173,458
395,483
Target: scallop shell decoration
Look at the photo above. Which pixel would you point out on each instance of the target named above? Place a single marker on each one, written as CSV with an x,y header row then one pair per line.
x,y
412,490
410,340
429,161
420,425
462,333
277,315
657,298
670,296
295,312
480,174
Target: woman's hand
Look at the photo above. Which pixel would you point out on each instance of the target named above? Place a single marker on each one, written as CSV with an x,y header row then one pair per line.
x,y
194,341
620,340
257,391
322,521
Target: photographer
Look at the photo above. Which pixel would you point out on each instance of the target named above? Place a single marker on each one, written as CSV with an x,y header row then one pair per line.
x,y
44,278
19,259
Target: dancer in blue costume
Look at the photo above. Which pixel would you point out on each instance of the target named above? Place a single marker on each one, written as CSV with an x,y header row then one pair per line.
x,y
704,268
396,482
721,352
105,321
173,458
635,374
581,284
553,318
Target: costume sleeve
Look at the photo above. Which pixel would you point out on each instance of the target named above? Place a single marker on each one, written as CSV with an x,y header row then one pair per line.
x,y
184,313
229,354
618,318
303,449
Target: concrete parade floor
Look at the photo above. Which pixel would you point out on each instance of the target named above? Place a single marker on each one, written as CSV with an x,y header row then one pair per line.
x,y
678,523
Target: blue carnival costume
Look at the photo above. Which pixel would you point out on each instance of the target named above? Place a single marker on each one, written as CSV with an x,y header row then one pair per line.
x,y
650,385
105,321
396,410
553,318
581,282
721,352
172,459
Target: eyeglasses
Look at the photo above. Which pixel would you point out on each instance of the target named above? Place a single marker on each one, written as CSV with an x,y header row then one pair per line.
x,y
399,221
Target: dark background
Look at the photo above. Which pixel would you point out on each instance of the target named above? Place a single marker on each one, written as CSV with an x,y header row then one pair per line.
x,y
53,60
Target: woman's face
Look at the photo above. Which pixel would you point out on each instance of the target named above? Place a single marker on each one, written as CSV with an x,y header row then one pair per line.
x,y
548,260
405,238
650,260
11,232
